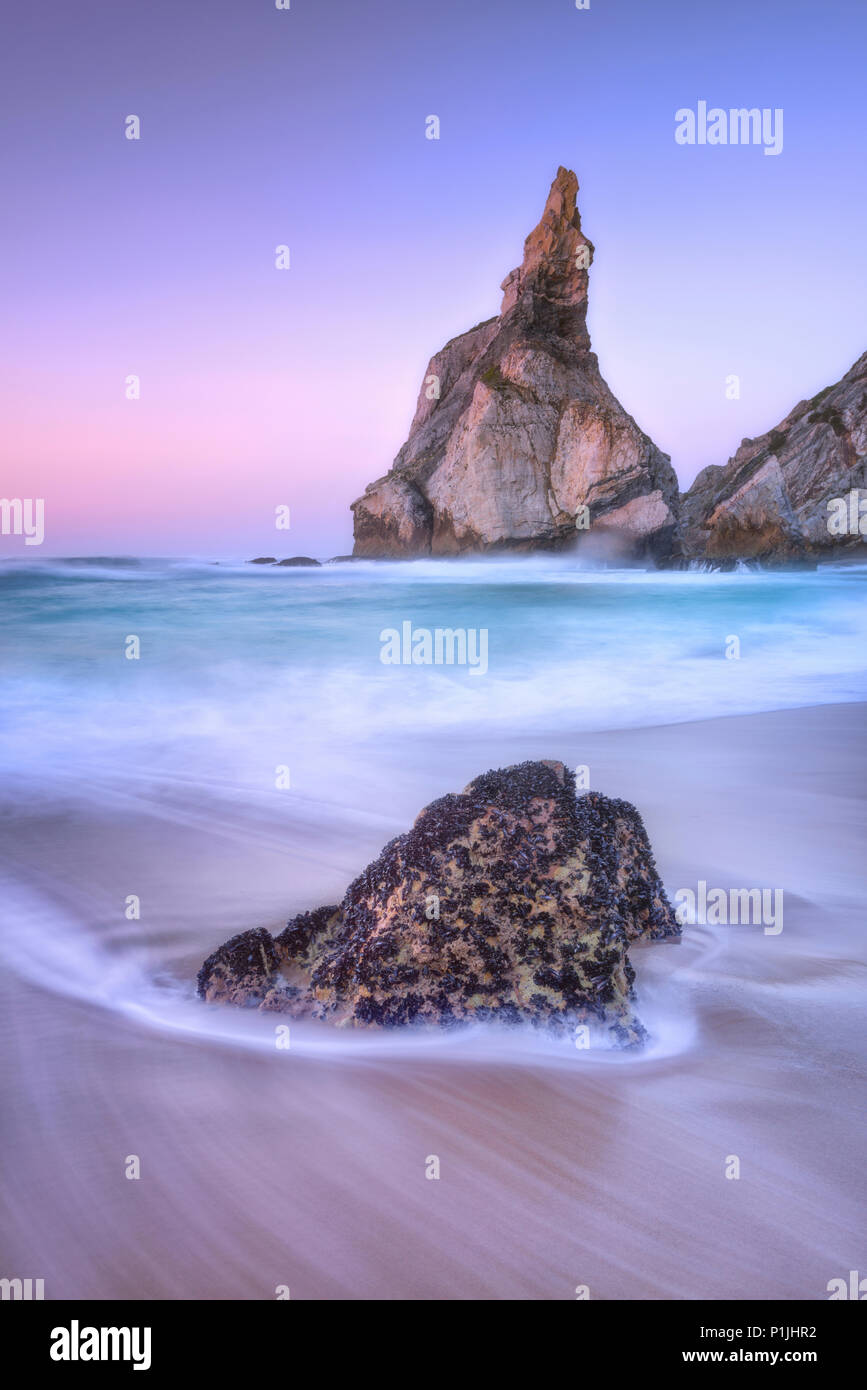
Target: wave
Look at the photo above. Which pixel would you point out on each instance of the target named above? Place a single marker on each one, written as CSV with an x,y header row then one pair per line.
x,y
48,946
235,678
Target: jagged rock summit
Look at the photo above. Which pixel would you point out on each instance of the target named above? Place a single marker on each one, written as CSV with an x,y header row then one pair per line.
x,y
771,500
514,900
515,431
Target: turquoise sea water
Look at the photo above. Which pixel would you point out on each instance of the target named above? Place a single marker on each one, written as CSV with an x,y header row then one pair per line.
x,y
244,669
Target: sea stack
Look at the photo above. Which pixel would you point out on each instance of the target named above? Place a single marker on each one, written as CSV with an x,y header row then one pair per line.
x,y
517,442
788,495
513,901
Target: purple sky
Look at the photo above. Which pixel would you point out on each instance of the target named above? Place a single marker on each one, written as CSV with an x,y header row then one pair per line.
x,y
259,127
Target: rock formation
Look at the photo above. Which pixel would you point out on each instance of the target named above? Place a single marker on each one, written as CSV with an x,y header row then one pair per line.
x,y
515,431
513,900
294,562
770,501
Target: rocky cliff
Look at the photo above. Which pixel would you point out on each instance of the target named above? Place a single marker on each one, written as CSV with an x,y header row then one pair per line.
x,y
517,441
786,496
513,900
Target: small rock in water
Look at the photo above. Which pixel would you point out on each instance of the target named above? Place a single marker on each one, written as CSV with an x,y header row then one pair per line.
x,y
511,901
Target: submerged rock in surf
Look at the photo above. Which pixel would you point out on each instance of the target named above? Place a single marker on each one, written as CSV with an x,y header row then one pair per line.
x,y
514,900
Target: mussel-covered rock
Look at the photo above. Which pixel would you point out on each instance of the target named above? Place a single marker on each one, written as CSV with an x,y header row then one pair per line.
x,y
513,900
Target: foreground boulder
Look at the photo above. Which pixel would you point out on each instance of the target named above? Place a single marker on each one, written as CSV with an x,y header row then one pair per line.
x,y
517,442
513,901
771,500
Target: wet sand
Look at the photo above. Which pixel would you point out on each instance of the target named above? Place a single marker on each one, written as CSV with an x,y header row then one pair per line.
x,y
262,1167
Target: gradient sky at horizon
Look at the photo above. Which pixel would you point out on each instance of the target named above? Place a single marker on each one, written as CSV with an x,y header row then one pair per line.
x,y
307,127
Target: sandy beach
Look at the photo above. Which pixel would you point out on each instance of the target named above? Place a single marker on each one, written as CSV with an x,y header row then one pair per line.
x,y
559,1169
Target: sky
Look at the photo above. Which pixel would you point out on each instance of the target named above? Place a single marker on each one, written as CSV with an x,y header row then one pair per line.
x,y
305,127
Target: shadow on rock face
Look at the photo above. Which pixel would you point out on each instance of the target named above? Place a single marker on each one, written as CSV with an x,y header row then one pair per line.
x,y
514,900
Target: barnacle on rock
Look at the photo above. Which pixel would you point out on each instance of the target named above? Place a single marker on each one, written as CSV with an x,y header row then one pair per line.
x,y
539,894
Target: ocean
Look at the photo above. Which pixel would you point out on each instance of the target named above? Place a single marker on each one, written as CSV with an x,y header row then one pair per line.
x,y
243,668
